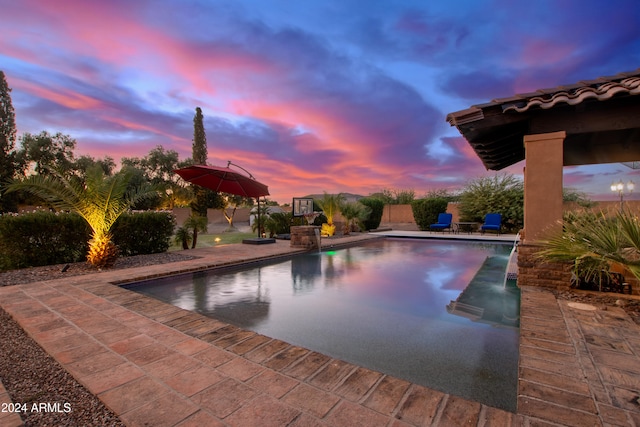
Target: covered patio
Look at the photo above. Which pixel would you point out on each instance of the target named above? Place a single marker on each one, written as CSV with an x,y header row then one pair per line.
x,y
590,122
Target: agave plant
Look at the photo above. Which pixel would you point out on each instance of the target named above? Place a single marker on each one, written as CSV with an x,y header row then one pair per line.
x,y
589,240
98,199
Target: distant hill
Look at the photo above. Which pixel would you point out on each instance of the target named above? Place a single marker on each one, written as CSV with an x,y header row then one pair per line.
x,y
349,197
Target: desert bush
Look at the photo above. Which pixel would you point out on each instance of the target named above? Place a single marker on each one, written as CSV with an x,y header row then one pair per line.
x,y
425,211
375,217
501,193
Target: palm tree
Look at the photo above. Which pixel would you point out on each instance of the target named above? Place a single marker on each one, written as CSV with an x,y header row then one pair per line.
x,y
98,199
592,240
183,237
354,213
196,223
330,205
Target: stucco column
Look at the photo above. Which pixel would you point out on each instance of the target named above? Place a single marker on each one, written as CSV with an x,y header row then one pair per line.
x,y
542,183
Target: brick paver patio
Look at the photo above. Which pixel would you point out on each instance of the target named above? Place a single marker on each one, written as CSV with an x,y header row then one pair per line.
x,y
156,364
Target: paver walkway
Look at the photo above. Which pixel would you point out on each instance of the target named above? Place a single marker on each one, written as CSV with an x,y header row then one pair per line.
x,y
156,364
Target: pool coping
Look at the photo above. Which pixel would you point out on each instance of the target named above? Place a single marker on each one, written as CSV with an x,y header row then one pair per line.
x,y
181,368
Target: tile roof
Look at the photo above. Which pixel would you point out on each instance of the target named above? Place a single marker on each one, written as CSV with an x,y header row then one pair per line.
x,y
495,130
595,89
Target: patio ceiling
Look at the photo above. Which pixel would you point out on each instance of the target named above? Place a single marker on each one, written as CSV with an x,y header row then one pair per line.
x,y
601,118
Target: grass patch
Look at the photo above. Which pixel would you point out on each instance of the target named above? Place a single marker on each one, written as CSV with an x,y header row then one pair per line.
x,y
215,239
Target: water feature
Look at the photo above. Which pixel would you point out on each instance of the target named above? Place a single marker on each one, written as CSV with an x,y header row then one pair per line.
x,y
317,233
382,305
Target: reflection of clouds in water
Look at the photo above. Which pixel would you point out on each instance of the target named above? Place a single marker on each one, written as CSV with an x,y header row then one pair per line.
x,y
444,283
441,277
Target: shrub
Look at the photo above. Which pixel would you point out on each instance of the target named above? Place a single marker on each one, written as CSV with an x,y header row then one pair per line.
x,y
425,211
278,223
42,238
502,193
141,233
48,238
377,208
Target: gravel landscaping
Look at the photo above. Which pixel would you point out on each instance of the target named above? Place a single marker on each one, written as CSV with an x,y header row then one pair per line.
x,y
32,377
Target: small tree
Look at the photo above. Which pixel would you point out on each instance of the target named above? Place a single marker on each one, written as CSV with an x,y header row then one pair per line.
x,y
183,236
231,201
8,165
262,214
196,223
405,197
47,153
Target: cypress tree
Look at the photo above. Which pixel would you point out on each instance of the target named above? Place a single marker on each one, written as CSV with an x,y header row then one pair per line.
x,y
199,155
199,139
8,165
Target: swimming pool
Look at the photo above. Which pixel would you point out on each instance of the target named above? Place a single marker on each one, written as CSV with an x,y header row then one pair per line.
x,y
432,312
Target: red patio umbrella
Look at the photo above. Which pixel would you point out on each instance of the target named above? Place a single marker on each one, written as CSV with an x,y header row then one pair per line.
x,y
225,180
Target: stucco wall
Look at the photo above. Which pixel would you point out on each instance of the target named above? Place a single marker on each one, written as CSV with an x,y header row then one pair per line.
x,y
398,214
214,216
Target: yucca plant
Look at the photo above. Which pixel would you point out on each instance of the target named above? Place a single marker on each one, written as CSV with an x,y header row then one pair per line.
x,y
589,240
98,199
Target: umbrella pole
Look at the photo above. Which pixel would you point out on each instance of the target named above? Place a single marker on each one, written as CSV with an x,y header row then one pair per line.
x,y
259,225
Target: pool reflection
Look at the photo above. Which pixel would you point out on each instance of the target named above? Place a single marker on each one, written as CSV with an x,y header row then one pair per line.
x,y
391,305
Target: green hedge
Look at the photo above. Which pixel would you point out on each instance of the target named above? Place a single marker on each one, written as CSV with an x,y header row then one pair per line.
x,y
42,238
425,211
147,232
377,209
47,238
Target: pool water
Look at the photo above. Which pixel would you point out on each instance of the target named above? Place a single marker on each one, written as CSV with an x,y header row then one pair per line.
x,y
435,313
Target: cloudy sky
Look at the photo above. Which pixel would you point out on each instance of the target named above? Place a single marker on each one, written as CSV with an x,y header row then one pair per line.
x,y
310,96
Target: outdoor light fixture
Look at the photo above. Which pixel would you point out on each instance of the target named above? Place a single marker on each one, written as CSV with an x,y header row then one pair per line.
x,y
619,188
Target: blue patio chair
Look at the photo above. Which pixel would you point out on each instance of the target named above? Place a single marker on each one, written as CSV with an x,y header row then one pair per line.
x,y
444,222
492,222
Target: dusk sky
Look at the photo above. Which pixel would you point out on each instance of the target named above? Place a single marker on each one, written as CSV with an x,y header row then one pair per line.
x,y
309,96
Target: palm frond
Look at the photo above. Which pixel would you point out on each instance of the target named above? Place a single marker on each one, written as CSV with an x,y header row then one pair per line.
x,y
600,238
61,194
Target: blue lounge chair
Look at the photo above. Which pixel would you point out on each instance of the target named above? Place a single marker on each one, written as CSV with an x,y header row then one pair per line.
x,y
444,222
492,222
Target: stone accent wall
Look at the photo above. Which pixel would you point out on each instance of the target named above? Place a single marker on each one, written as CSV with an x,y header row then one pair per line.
x,y
532,271
304,236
